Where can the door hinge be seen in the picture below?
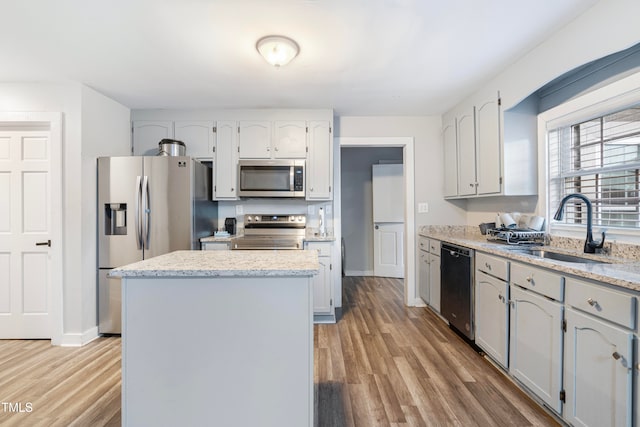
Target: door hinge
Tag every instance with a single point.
(564, 325)
(330, 266)
(238, 148)
(238, 129)
(215, 188)
(499, 101)
(330, 302)
(500, 180)
(329, 129)
(307, 149)
(306, 129)
(215, 129)
(329, 189)
(563, 396)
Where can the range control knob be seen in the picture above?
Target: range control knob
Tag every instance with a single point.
(292, 218)
(300, 219)
(257, 218)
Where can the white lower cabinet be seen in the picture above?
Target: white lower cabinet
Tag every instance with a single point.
(322, 283)
(434, 274)
(492, 314)
(598, 375)
(535, 351)
(423, 288)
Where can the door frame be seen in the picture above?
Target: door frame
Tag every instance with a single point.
(407, 145)
(53, 122)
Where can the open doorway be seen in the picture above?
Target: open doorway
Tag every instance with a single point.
(358, 231)
(406, 145)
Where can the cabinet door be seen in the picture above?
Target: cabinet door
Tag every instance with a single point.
(488, 142)
(535, 352)
(147, 134)
(254, 140)
(466, 154)
(423, 289)
(450, 159)
(492, 314)
(598, 375)
(322, 288)
(434, 282)
(320, 162)
(225, 169)
(290, 140)
(197, 136)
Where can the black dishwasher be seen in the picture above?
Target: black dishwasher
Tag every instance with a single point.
(456, 298)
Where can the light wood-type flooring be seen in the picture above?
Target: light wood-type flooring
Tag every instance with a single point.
(382, 364)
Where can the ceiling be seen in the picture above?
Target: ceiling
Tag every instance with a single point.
(359, 57)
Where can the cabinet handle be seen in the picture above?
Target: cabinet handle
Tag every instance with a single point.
(486, 264)
(616, 355)
(231, 188)
(592, 302)
(529, 279)
(276, 148)
(47, 243)
(471, 184)
(311, 189)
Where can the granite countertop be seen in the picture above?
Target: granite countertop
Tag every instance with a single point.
(620, 272)
(224, 264)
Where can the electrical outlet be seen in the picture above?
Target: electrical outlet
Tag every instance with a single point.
(239, 210)
(423, 207)
(328, 209)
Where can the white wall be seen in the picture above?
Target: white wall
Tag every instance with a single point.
(101, 120)
(608, 27)
(428, 159)
(106, 131)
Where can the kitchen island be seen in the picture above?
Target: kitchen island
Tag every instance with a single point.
(218, 338)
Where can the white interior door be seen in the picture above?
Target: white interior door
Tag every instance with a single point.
(25, 233)
(388, 220)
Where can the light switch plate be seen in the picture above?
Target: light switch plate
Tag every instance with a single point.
(239, 210)
(423, 207)
(311, 209)
(328, 209)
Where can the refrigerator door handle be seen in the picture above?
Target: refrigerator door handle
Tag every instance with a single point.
(138, 218)
(145, 210)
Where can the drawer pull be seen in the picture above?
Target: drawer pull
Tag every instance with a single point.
(486, 264)
(592, 302)
(529, 279)
(616, 355)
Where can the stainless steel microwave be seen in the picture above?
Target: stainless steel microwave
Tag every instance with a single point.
(271, 178)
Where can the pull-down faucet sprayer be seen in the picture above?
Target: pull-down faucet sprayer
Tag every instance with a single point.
(590, 245)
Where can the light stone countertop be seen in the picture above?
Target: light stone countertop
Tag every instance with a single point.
(619, 272)
(224, 264)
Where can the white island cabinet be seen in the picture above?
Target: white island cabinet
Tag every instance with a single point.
(218, 338)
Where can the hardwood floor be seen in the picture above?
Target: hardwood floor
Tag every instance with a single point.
(382, 364)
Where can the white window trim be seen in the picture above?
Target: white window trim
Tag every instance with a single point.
(618, 95)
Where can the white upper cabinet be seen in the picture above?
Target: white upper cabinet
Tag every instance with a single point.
(290, 139)
(488, 152)
(198, 137)
(147, 134)
(319, 170)
(466, 154)
(450, 159)
(254, 139)
(225, 171)
(496, 151)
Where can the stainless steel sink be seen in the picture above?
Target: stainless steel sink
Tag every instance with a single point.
(541, 253)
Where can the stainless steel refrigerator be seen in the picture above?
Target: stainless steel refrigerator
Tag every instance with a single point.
(147, 206)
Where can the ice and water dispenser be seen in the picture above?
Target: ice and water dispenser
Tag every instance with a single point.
(115, 219)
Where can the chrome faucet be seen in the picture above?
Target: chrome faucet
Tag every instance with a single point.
(590, 245)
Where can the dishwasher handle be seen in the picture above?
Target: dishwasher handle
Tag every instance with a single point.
(455, 251)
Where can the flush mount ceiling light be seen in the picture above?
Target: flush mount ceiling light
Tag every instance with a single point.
(277, 50)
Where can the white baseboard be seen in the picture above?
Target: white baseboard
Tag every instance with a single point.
(418, 302)
(358, 273)
(78, 340)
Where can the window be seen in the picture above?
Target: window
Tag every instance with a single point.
(600, 158)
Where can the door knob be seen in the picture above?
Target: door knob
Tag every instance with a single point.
(377, 227)
(47, 243)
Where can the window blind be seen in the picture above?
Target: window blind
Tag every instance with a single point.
(600, 158)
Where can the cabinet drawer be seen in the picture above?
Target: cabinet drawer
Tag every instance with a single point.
(434, 247)
(215, 246)
(324, 249)
(617, 307)
(423, 243)
(494, 266)
(538, 280)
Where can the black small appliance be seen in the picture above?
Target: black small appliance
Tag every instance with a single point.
(230, 225)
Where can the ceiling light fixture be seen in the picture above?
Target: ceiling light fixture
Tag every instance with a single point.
(277, 50)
